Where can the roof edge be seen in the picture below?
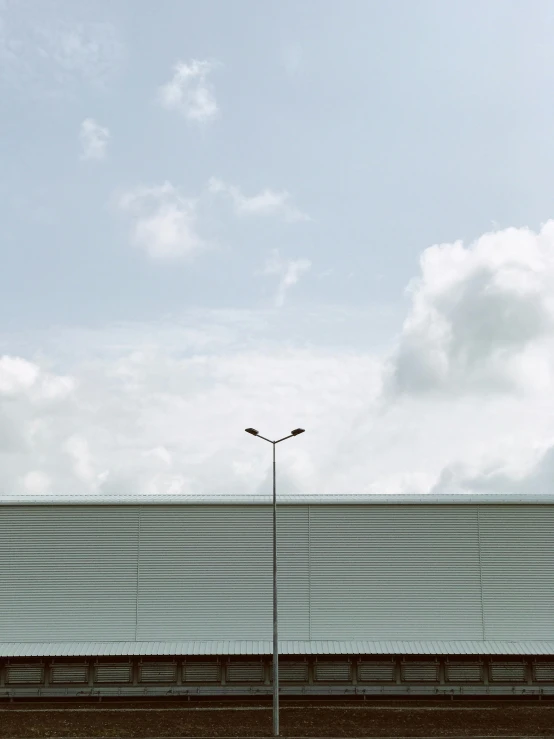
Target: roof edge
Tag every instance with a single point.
(265, 647)
(347, 499)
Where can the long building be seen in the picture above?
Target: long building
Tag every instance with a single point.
(378, 595)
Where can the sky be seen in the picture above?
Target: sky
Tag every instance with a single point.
(215, 215)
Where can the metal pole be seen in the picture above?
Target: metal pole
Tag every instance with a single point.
(275, 632)
(295, 432)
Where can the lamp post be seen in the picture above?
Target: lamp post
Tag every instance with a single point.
(275, 630)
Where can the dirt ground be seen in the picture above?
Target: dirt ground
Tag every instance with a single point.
(18, 720)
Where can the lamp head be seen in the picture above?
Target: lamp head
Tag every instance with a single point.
(297, 431)
(252, 431)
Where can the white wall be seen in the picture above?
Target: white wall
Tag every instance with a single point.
(346, 572)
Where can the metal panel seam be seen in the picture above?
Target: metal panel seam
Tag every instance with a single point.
(483, 624)
(11, 534)
(309, 573)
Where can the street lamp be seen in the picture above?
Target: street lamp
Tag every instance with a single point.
(275, 632)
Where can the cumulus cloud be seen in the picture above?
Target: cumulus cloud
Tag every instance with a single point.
(476, 355)
(265, 203)
(478, 314)
(162, 408)
(33, 402)
(163, 221)
(289, 272)
(190, 92)
(161, 418)
(94, 139)
(531, 475)
(16, 375)
(19, 376)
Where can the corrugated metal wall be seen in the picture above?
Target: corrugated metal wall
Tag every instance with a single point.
(205, 572)
(395, 572)
(346, 572)
(517, 559)
(69, 573)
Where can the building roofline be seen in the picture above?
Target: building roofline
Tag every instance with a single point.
(265, 647)
(347, 499)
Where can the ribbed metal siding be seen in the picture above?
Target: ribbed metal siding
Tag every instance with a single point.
(389, 572)
(543, 672)
(291, 672)
(158, 672)
(69, 674)
(245, 672)
(508, 672)
(419, 672)
(69, 574)
(517, 557)
(376, 672)
(24, 674)
(201, 672)
(205, 573)
(116, 672)
(298, 648)
(333, 671)
(293, 572)
(395, 572)
(463, 672)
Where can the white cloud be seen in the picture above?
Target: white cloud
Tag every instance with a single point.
(16, 375)
(162, 408)
(189, 91)
(478, 314)
(88, 50)
(44, 50)
(529, 473)
(289, 272)
(19, 377)
(265, 203)
(94, 139)
(78, 450)
(36, 483)
(55, 388)
(161, 453)
(163, 222)
(168, 417)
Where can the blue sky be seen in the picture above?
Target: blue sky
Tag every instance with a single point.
(210, 213)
